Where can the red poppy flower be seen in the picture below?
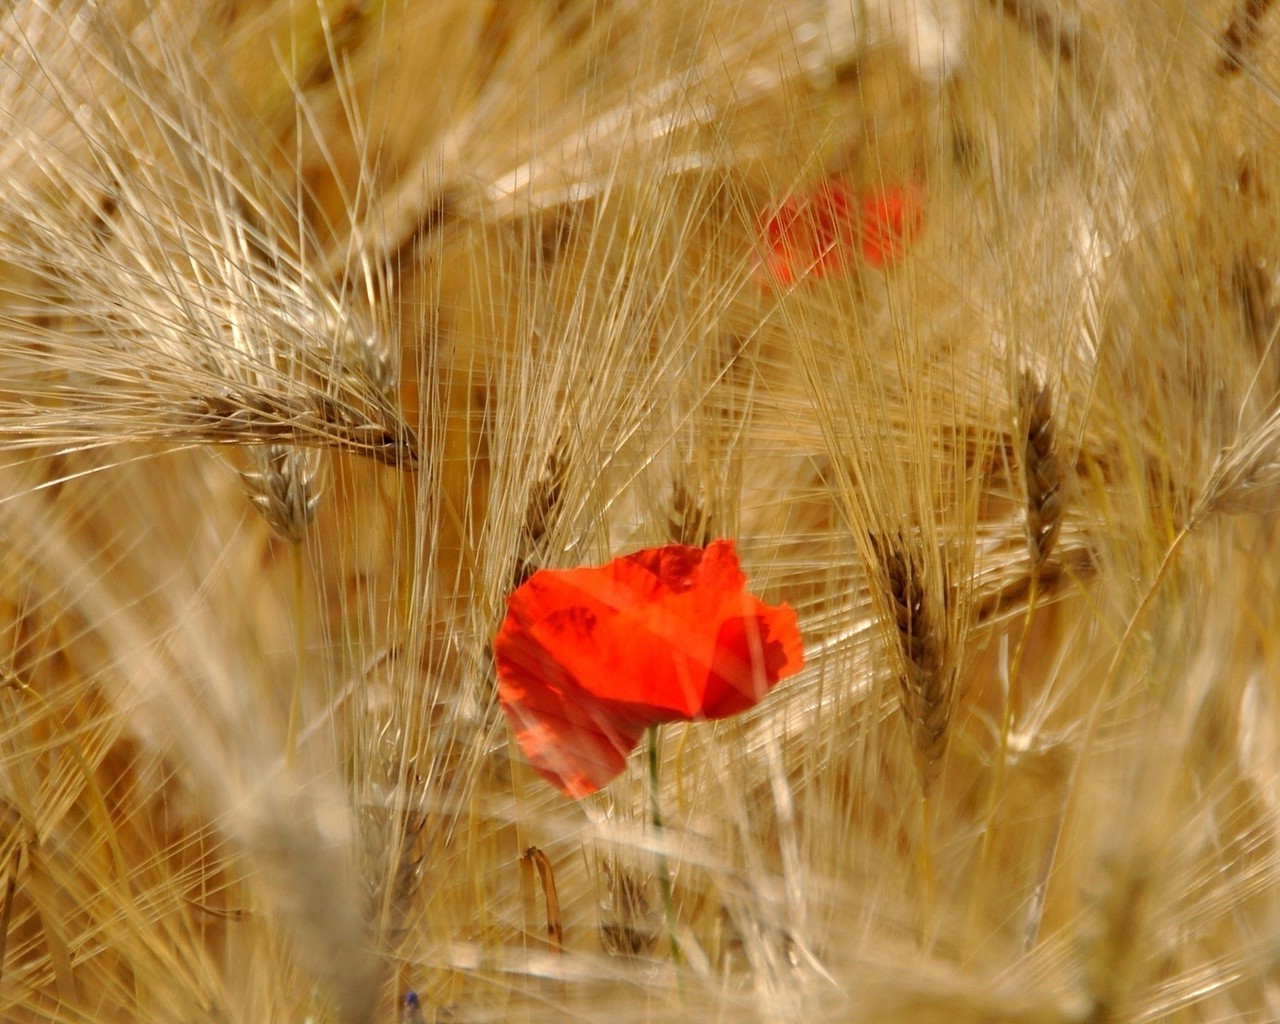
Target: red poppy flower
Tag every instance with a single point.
(890, 219)
(819, 232)
(811, 233)
(589, 658)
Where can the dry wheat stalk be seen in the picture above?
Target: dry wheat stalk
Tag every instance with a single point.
(1041, 468)
(284, 486)
(546, 874)
(638, 144)
(1240, 37)
(689, 522)
(925, 680)
(540, 513)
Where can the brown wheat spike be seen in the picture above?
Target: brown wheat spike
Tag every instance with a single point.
(689, 522)
(539, 513)
(1052, 32)
(546, 874)
(1041, 468)
(628, 920)
(1240, 37)
(284, 486)
(925, 688)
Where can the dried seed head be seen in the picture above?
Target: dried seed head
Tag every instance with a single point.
(1055, 33)
(546, 874)
(285, 487)
(251, 416)
(925, 684)
(689, 522)
(629, 920)
(1245, 477)
(1041, 468)
(1240, 37)
(539, 513)
(181, 264)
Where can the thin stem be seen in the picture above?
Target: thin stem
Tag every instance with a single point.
(299, 638)
(996, 790)
(928, 876)
(1091, 724)
(664, 876)
(6, 908)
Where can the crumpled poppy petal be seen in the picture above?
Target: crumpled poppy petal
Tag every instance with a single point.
(824, 230)
(575, 741)
(751, 655)
(718, 570)
(890, 219)
(812, 233)
(665, 650)
(676, 567)
(588, 619)
(589, 658)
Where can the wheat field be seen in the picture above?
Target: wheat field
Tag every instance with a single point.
(324, 323)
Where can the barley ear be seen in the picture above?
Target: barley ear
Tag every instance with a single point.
(1041, 467)
(1054, 34)
(629, 923)
(925, 689)
(689, 522)
(285, 487)
(540, 513)
(1240, 37)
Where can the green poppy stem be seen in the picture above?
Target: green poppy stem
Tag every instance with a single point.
(664, 876)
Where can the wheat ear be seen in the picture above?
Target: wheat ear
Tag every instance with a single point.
(1052, 33)
(1240, 37)
(689, 522)
(925, 682)
(540, 513)
(1042, 483)
(924, 689)
(1041, 467)
(285, 487)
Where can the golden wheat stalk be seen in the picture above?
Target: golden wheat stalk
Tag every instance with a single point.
(514, 253)
(925, 684)
(150, 273)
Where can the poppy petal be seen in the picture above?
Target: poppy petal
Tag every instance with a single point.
(822, 231)
(589, 658)
(675, 566)
(752, 653)
(811, 233)
(573, 741)
(572, 738)
(890, 219)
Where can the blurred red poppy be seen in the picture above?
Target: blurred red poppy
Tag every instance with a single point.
(811, 233)
(589, 658)
(890, 219)
(818, 233)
